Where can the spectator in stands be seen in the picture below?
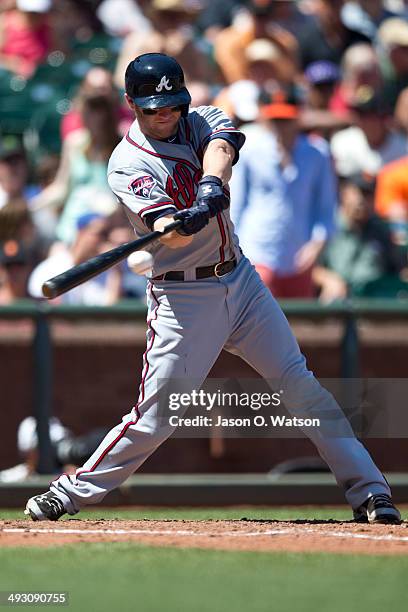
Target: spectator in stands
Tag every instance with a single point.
(284, 14)
(283, 199)
(75, 22)
(16, 220)
(200, 92)
(321, 78)
(268, 66)
(366, 16)
(69, 451)
(13, 170)
(97, 82)
(401, 112)
(15, 267)
(360, 67)
(91, 239)
(327, 38)
(216, 16)
(372, 142)
(240, 101)
(393, 38)
(321, 81)
(267, 69)
(256, 22)
(81, 185)
(360, 258)
(391, 198)
(121, 17)
(172, 34)
(25, 36)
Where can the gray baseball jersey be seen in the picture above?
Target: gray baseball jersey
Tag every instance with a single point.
(151, 176)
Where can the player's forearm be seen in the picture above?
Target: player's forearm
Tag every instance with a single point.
(218, 158)
(173, 240)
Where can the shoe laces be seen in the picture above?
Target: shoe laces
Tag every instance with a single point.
(55, 505)
(381, 500)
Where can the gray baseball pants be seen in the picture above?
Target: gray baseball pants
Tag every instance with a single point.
(188, 325)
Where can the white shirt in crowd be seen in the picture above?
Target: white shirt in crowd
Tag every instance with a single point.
(352, 153)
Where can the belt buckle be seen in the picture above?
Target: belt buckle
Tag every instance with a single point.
(219, 266)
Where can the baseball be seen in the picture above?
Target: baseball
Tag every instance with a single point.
(140, 262)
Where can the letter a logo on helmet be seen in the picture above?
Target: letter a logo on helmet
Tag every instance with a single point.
(164, 83)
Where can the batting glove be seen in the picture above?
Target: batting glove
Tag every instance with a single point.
(210, 192)
(194, 219)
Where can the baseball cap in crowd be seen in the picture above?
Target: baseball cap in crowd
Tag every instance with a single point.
(322, 72)
(34, 6)
(244, 96)
(282, 105)
(393, 33)
(12, 252)
(84, 220)
(262, 50)
(369, 101)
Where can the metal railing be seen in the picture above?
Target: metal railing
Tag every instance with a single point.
(43, 313)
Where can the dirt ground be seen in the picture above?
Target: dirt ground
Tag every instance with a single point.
(251, 535)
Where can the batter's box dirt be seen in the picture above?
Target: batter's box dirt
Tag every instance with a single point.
(254, 535)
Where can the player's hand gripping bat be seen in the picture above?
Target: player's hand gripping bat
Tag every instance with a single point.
(92, 267)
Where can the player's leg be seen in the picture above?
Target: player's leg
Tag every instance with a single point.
(264, 339)
(187, 329)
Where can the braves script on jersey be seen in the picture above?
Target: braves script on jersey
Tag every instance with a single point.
(150, 175)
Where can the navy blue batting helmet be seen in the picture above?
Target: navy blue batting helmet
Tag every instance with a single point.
(156, 80)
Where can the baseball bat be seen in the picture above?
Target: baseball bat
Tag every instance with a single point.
(92, 267)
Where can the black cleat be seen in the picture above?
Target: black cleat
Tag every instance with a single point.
(45, 507)
(378, 509)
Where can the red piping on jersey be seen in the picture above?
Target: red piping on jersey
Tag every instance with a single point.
(177, 159)
(223, 237)
(188, 163)
(141, 394)
(155, 206)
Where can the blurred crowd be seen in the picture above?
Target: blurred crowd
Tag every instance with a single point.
(320, 88)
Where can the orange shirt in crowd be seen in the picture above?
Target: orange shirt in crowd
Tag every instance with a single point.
(391, 194)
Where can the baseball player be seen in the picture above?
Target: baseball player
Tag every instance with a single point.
(203, 295)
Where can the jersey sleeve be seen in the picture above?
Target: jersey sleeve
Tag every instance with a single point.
(214, 123)
(142, 194)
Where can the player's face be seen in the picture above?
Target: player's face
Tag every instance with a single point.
(162, 124)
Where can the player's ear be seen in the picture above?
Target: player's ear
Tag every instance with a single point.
(130, 102)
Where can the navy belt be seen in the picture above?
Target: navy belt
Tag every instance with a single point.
(218, 270)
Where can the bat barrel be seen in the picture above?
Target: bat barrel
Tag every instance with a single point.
(83, 272)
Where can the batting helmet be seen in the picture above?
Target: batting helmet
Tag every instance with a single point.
(156, 80)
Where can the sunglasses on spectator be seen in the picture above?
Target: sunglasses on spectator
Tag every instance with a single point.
(154, 111)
